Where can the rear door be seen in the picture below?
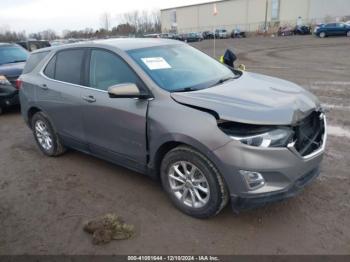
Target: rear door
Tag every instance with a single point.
(115, 128)
(59, 92)
(341, 29)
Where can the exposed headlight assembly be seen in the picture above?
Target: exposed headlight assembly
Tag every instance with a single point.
(273, 138)
(259, 136)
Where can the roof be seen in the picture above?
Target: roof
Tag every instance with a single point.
(124, 44)
(136, 43)
(184, 6)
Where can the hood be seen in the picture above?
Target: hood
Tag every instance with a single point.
(254, 99)
(12, 70)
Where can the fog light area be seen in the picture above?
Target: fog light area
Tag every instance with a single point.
(254, 180)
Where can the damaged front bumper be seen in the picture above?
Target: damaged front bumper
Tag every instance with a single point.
(250, 202)
(285, 171)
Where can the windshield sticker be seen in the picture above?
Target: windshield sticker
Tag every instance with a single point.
(155, 63)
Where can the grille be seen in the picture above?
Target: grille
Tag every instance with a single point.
(309, 134)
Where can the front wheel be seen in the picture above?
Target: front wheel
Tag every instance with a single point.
(348, 34)
(193, 183)
(323, 35)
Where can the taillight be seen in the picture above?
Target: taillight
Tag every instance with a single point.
(18, 84)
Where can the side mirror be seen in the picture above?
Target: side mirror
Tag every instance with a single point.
(242, 67)
(127, 90)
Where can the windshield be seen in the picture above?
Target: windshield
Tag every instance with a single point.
(12, 54)
(181, 67)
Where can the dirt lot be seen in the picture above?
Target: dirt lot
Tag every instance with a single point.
(44, 201)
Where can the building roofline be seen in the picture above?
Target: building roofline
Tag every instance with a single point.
(184, 6)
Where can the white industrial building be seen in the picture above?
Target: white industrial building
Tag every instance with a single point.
(250, 15)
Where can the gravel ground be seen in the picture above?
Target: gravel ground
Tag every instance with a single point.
(45, 201)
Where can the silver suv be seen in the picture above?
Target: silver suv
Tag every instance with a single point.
(162, 108)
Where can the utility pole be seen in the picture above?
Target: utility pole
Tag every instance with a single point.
(266, 10)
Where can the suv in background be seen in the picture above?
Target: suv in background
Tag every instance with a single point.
(32, 45)
(12, 60)
(221, 33)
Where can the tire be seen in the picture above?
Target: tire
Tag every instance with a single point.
(323, 34)
(1, 110)
(348, 34)
(212, 202)
(43, 132)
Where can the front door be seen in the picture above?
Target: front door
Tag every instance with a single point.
(115, 128)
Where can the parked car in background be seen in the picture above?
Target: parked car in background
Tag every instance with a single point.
(332, 29)
(200, 35)
(169, 36)
(12, 60)
(32, 45)
(285, 31)
(163, 108)
(237, 33)
(208, 35)
(191, 37)
(152, 36)
(302, 30)
(221, 33)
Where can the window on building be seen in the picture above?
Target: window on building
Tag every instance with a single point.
(173, 17)
(275, 9)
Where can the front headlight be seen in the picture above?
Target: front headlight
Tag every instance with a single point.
(280, 137)
(4, 81)
(257, 135)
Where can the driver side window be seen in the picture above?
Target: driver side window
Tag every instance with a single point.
(107, 69)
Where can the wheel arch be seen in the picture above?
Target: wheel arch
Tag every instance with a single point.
(31, 112)
(158, 152)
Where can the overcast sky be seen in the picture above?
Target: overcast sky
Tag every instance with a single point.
(37, 15)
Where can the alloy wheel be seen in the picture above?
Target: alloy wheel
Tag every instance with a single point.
(43, 135)
(188, 184)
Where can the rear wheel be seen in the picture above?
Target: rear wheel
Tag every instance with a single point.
(193, 183)
(323, 35)
(348, 34)
(45, 136)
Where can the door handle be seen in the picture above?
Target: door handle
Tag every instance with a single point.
(44, 87)
(90, 99)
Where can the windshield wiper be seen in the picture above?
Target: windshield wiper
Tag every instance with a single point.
(186, 89)
(223, 80)
(16, 61)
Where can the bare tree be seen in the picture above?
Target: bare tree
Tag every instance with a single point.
(143, 22)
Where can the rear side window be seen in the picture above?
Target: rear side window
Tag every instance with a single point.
(33, 61)
(66, 66)
(69, 66)
(50, 68)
